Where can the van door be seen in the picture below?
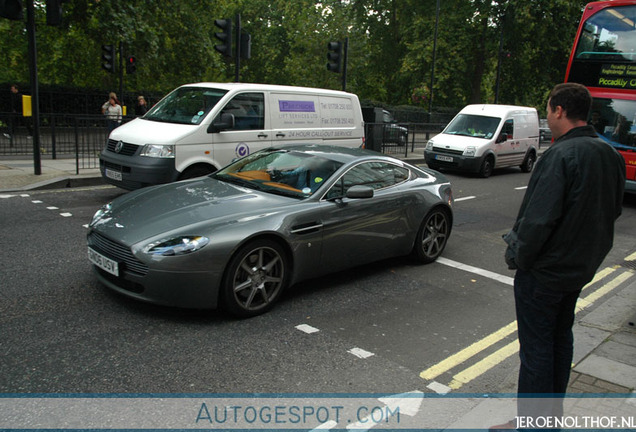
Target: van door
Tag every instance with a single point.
(251, 130)
(506, 149)
(295, 117)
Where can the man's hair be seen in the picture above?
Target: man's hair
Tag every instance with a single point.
(574, 98)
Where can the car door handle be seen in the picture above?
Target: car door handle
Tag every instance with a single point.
(280, 135)
(262, 135)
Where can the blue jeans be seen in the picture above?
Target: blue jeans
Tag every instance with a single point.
(544, 318)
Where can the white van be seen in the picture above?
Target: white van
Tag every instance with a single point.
(484, 137)
(199, 128)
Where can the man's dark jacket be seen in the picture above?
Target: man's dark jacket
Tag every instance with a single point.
(565, 226)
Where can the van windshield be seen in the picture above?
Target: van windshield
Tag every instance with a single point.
(473, 126)
(185, 105)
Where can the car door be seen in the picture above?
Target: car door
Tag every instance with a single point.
(251, 127)
(362, 230)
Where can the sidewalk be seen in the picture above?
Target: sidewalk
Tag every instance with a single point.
(605, 339)
(18, 175)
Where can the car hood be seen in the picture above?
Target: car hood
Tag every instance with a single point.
(178, 207)
(457, 142)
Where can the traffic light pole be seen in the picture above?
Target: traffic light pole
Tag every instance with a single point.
(121, 73)
(35, 95)
(344, 64)
(237, 63)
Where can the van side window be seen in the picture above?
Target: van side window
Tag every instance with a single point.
(508, 128)
(248, 110)
(377, 175)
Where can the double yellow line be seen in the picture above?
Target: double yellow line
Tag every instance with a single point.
(492, 360)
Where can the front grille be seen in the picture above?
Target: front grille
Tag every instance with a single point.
(448, 151)
(116, 167)
(126, 150)
(118, 253)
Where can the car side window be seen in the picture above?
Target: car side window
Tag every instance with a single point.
(508, 128)
(248, 110)
(377, 175)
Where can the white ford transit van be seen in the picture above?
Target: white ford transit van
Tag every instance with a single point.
(199, 128)
(484, 137)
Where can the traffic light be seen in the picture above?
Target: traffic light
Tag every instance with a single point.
(131, 65)
(334, 56)
(246, 45)
(54, 12)
(225, 36)
(11, 9)
(108, 58)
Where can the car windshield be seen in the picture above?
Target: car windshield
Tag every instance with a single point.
(185, 105)
(290, 173)
(473, 126)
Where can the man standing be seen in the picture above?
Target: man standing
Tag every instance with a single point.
(564, 230)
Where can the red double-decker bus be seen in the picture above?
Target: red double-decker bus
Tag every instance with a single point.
(603, 59)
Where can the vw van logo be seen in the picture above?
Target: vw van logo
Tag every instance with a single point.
(119, 146)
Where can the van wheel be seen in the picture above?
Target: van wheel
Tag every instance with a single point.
(196, 171)
(528, 163)
(487, 167)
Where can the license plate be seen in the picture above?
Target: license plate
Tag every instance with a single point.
(104, 263)
(443, 158)
(115, 175)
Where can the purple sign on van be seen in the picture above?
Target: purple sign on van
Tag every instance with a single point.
(296, 106)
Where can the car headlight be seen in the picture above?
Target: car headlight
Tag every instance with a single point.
(176, 246)
(158, 150)
(429, 145)
(470, 151)
(101, 213)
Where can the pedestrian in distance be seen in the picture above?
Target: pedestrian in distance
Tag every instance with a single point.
(563, 232)
(16, 117)
(113, 112)
(142, 107)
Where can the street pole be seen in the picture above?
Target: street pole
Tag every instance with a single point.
(430, 98)
(35, 96)
(344, 64)
(237, 63)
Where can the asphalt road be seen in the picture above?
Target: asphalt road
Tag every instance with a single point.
(391, 327)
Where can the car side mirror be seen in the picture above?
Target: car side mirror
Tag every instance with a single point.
(503, 137)
(225, 122)
(358, 191)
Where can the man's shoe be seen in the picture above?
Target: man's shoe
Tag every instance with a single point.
(510, 425)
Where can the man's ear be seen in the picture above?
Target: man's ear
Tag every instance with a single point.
(560, 112)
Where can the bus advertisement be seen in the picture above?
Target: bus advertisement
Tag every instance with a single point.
(603, 58)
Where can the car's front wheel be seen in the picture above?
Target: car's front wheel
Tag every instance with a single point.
(255, 277)
(433, 235)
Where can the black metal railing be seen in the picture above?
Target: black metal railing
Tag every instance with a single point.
(84, 136)
(61, 136)
(400, 139)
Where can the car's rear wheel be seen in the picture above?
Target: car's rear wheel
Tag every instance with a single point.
(528, 162)
(255, 277)
(433, 235)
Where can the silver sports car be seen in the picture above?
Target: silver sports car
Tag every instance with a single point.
(238, 237)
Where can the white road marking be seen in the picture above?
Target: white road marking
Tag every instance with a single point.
(360, 353)
(465, 198)
(486, 273)
(439, 388)
(307, 328)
